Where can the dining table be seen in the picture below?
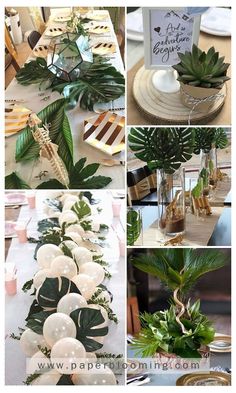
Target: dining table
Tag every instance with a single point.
(218, 362)
(36, 100)
(22, 256)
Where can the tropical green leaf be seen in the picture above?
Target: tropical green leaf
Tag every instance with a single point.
(34, 309)
(47, 223)
(36, 321)
(34, 72)
(101, 82)
(87, 321)
(220, 138)
(52, 184)
(65, 380)
(14, 182)
(162, 148)
(81, 176)
(59, 131)
(54, 204)
(53, 289)
(82, 209)
(134, 226)
(204, 138)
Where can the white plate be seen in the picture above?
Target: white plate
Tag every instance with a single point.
(216, 21)
(134, 35)
(51, 34)
(8, 233)
(15, 198)
(215, 32)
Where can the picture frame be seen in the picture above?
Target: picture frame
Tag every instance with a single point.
(183, 29)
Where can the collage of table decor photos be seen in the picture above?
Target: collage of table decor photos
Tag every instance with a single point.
(117, 194)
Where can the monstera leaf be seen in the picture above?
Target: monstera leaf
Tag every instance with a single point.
(101, 82)
(52, 290)
(134, 226)
(36, 321)
(162, 148)
(220, 138)
(59, 131)
(204, 138)
(48, 223)
(82, 209)
(87, 321)
(34, 72)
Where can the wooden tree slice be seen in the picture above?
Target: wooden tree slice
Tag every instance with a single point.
(167, 108)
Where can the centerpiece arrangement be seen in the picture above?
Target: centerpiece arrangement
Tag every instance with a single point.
(164, 150)
(181, 330)
(71, 311)
(84, 79)
(202, 76)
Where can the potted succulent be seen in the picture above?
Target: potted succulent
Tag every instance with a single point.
(164, 150)
(207, 142)
(181, 330)
(202, 76)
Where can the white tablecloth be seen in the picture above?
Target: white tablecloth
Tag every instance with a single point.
(17, 306)
(30, 94)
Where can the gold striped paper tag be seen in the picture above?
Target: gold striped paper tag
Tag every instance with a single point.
(106, 132)
(16, 118)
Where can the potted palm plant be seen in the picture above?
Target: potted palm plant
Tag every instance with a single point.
(164, 150)
(182, 330)
(202, 76)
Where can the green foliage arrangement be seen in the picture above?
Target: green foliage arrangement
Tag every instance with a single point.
(182, 329)
(162, 148)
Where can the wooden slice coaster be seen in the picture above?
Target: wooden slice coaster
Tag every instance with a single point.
(167, 108)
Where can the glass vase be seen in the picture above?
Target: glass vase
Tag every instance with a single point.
(208, 170)
(134, 227)
(171, 202)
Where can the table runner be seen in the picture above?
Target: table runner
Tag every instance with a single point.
(17, 307)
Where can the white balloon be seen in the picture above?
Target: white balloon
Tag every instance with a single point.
(97, 250)
(90, 235)
(41, 276)
(71, 302)
(82, 255)
(69, 203)
(93, 270)
(50, 378)
(96, 376)
(75, 228)
(68, 216)
(69, 244)
(75, 237)
(85, 284)
(32, 366)
(70, 350)
(90, 356)
(69, 197)
(30, 341)
(58, 326)
(64, 266)
(46, 254)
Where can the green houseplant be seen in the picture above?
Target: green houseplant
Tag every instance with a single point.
(201, 74)
(164, 150)
(181, 330)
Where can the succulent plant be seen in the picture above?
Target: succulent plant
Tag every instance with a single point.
(202, 69)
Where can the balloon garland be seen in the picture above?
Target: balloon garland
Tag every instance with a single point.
(70, 315)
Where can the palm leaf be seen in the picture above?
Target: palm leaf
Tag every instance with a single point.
(134, 227)
(197, 264)
(14, 182)
(162, 148)
(60, 133)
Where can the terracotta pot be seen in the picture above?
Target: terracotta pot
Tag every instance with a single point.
(189, 93)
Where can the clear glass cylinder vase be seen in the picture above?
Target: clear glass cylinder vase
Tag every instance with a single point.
(134, 227)
(171, 201)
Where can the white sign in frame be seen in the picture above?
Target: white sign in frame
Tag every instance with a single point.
(166, 32)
